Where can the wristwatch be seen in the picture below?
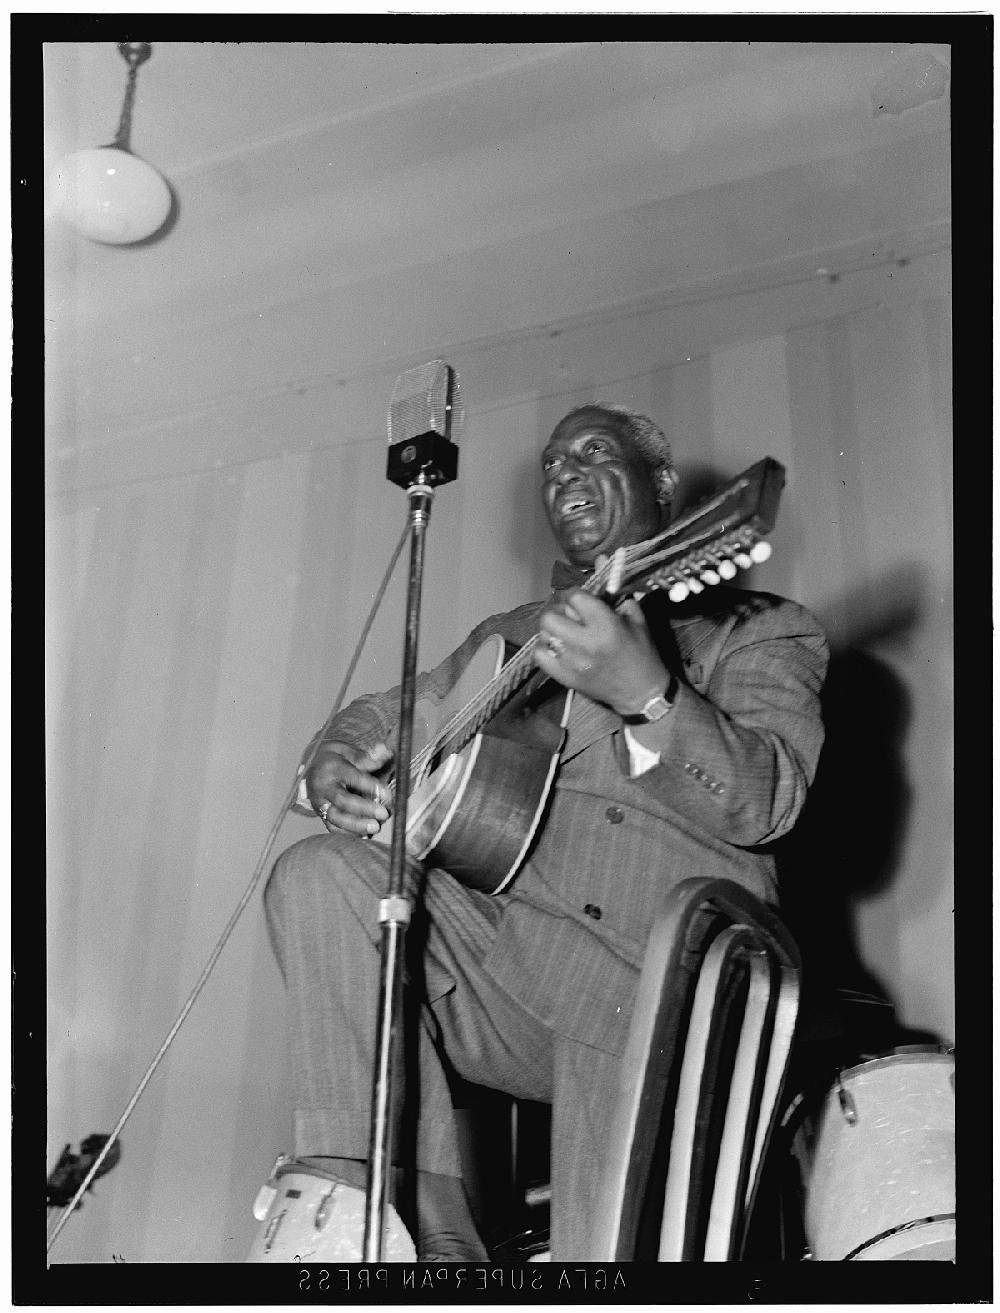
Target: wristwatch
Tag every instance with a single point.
(657, 707)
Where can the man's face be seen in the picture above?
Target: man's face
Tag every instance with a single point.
(597, 489)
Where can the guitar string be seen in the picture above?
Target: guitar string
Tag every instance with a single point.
(498, 686)
(685, 524)
(241, 906)
(500, 682)
(480, 700)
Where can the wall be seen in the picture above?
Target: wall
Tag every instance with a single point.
(201, 620)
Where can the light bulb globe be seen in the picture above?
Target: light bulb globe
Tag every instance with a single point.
(110, 195)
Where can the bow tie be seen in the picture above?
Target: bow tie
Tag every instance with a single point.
(565, 575)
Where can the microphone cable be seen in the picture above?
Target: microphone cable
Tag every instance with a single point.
(259, 869)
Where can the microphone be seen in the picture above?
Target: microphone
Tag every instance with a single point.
(426, 417)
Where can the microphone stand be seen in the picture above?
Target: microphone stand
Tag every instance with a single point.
(418, 464)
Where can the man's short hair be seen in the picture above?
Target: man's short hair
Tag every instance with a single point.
(640, 430)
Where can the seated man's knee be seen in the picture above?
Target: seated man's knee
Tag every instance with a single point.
(316, 862)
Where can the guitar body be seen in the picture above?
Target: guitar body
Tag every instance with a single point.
(476, 812)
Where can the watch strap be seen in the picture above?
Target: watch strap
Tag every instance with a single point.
(657, 707)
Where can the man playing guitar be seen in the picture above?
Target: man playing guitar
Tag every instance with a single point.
(687, 744)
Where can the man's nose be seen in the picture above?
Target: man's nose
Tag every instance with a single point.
(569, 471)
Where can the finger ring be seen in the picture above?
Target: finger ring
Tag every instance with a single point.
(324, 810)
(555, 646)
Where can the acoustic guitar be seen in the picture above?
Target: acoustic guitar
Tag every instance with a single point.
(488, 753)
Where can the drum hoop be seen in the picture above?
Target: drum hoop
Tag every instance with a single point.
(903, 1226)
(929, 1054)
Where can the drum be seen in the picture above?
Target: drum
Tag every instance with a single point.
(882, 1181)
(309, 1217)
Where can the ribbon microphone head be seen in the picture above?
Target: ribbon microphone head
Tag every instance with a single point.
(426, 417)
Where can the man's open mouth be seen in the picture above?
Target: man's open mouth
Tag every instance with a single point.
(572, 507)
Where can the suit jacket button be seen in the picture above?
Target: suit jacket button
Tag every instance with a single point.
(615, 815)
(593, 910)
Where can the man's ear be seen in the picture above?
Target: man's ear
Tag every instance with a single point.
(666, 484)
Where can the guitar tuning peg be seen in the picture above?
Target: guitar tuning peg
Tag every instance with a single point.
(759, 552)
(710, 576)
(678, 591)
(726, 568)
(742, 560)
(695, 585)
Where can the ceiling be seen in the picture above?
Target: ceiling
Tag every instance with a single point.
(347, 206)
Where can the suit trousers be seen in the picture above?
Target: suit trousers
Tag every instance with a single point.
(321, 902)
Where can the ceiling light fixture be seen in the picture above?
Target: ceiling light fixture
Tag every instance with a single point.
(109, 194)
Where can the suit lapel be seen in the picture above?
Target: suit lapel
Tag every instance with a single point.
(588, 722)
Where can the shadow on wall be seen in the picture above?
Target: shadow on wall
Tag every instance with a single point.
(847, 842)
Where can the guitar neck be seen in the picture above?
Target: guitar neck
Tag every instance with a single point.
(704, 546)
(466, 723)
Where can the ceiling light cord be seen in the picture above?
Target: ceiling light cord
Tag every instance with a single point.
(134, 53)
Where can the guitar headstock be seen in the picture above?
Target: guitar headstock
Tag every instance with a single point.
(707, 545)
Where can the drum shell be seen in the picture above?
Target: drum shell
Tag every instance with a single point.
(293, 1229)
(882, 1182)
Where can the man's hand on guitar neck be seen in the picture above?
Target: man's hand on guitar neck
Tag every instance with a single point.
(343, 788)
(607, 655)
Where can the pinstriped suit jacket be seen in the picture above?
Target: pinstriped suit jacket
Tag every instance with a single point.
(740, 748)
